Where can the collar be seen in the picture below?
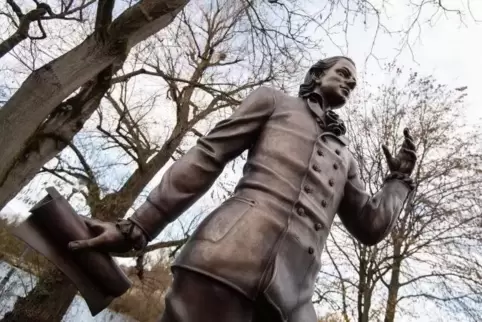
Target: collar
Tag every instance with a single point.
(316, 97)
(315, 103)
(342, 138)
(315, 109)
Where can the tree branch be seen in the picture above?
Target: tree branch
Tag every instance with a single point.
(15, 8)
(152, 247)
(103, 18)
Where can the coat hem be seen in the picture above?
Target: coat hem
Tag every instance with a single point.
(215, 277)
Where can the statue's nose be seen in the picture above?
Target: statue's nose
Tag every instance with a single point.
(351, 83)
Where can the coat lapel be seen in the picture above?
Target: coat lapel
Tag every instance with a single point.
(315, 108)
(317, 111)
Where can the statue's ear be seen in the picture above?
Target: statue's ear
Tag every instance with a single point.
(317, 74)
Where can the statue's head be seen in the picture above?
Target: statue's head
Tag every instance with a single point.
(334, 78)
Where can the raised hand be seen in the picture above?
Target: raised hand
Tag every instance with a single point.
(404, 161)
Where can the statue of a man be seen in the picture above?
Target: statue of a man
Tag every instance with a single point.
(256, 256)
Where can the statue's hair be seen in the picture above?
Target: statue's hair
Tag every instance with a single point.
(315, 71)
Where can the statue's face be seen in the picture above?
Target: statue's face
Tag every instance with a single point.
(337, 83)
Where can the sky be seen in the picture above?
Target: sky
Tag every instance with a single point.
(449, 50)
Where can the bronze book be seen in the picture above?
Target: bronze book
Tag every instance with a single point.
(53, 223)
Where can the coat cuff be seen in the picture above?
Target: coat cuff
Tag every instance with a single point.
(150, 220)
(403, 177)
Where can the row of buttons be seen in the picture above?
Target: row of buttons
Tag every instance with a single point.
(320, 153)
(301, 212)
(323, 138)
(316, 168)
(307, 188)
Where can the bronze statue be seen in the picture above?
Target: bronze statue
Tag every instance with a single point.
(256, 257)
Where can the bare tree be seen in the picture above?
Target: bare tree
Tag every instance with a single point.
(203, 68)
(66, 94)
(433, 254)
(206, 68)
(67, 89)
(88, 66)
(335, 20)
(22, 21)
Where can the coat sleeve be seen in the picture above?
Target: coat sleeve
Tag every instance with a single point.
(193, 174)
(371, 218)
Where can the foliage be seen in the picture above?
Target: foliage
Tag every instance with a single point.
(145, 300)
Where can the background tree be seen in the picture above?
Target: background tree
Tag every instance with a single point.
(76, 69)
(86, 68)
(66, 93)
(198, 71)
(144, 301)
(21, 21)
(433, 254)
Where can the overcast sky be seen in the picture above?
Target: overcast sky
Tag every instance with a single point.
(451, 50)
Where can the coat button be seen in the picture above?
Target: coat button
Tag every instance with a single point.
(301, 211)
(316, 168)
(311, 250)
(307, 189)
(319, 152)
(331, 182)
(323, 203)
(335, 166)
(318, 120)
(337, 151)
(318, 226)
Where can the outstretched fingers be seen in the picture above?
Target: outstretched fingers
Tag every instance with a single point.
(87, 243)
(408, 142)
(408, 147)
(410, 153)
(97, 228)
(387, 154)
(92, 222)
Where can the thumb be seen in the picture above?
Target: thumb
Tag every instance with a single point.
(94, 225)
(87, 243)
(92, 222)
(387, 153)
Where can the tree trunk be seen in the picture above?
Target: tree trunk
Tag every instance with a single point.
(367, 304)
(6, 278)
(55, 134)
(362, 283)
(46, 88)
(47, 302)
(394, 285)
(116, 204)
(365, 284)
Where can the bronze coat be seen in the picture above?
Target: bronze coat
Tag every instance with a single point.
(267, 239)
